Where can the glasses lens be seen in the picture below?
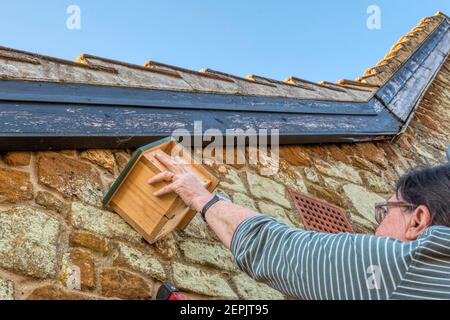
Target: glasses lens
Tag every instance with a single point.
(380, 214)
(377, 214)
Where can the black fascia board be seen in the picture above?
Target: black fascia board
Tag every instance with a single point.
(64, 93)
(55, 116)
(62, 126)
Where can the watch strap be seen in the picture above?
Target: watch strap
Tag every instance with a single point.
(208, 205)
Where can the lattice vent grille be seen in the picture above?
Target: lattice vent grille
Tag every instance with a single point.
(320, 216)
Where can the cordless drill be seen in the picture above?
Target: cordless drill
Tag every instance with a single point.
(168, 292)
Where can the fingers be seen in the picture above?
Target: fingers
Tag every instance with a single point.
(167, 161)
(180, 160)
(163, 176)
(167, 189)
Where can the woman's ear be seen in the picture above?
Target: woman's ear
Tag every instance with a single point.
(420, 221)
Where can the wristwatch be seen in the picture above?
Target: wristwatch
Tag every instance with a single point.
(213, 201)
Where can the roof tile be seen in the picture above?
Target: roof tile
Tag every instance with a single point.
(353, 83)
(249, 86)
(328, 91)
(17, 64)
(401, 51)
(357, 94)
(132, 75)
(200, 81)
(291, 89)
(13, 56)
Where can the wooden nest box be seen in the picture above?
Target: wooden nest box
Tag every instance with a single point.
(132, 197)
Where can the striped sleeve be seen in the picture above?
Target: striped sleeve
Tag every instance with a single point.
(313, 265)
(429, 275)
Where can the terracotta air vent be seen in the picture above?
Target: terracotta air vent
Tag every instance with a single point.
(320, 216)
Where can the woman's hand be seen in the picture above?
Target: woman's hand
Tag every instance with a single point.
(184, 182)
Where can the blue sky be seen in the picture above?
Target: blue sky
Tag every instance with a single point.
(315, 40)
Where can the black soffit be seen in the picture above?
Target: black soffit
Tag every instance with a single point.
(44, 115)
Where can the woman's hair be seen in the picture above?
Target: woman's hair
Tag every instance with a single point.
(428, 186)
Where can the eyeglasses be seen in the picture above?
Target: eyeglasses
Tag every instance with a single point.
(382, 209)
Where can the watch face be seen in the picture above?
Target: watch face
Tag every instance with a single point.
(222, 196)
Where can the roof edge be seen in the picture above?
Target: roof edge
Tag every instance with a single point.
(300, 120)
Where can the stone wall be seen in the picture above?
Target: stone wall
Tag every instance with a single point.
(52, 223)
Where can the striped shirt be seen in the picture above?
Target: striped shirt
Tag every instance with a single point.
(314, 265)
